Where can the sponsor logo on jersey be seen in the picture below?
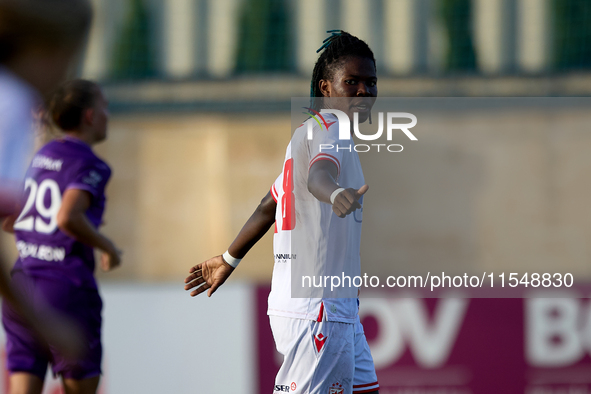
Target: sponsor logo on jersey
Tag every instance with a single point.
(293, 386)
(281, 388)
(92, 179)
(47, 163)
(336, 388)
(283, 257)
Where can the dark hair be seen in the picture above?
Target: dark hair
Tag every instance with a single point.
(337, 48)
(68, 103)
(51, 23)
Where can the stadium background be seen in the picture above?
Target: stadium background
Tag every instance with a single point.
(200, 95)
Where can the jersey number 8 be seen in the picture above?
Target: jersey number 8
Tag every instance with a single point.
(37, 197)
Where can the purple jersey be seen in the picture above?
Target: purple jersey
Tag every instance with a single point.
(44, 250)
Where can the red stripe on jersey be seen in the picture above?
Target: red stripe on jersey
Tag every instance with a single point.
(321, 313)
(356, 386)
(325, 156)
(274, 193)
(288, 216)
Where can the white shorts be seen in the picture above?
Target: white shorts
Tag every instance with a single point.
(322, 357)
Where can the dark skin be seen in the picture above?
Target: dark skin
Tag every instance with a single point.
(355, 77)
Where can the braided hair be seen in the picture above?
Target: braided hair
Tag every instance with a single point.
(337, 48)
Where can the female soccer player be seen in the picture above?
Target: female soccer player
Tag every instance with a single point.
(306, 196)
(38, 41)
(56, 232)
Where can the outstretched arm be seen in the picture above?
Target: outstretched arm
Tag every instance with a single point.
(215, 271)
(322, 184)
(72, 220)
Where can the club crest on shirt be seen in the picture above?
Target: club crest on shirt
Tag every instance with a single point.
(319, 341)
(336, 388)
(92, 179)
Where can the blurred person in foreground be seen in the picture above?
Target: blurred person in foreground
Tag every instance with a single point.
(319, 194)
(39, 39)
(56, 232)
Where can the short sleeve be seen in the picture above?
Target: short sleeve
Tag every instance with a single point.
(92, 177)
(326, 145)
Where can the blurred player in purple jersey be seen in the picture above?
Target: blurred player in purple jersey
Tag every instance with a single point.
(56, 231)
(39, 39)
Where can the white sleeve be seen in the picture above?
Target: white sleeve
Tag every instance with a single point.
(276, 187)
(325, 145)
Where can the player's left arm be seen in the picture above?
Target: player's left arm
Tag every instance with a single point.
(322, 184)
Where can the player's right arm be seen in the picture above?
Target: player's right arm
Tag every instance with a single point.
(324, 170)
(322, 184)
(212, 273)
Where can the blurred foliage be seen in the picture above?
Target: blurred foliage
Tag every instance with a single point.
(264, 38)
(572, 34)
(134, 56)
(457, 20)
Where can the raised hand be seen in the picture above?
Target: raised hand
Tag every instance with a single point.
(210, 274)
(347, 201)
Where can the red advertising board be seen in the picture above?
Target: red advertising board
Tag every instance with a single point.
(463, 345)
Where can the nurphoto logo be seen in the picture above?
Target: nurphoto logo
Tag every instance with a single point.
(345, 129)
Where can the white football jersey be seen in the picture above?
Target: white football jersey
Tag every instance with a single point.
(17, 101)
(309, 238)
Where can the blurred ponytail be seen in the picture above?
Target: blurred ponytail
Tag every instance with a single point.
(67, 105)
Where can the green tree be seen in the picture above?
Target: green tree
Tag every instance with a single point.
(456, 15)
(133, 56)
(572, 34)
(264, 40)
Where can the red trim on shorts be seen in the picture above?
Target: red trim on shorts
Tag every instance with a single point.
(367, 391)
(321, 313)
(356, 388)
